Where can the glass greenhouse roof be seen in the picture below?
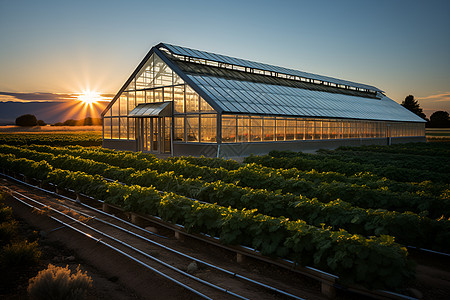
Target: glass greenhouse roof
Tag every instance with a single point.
(243, 97)
(183, 51)
(236, 86)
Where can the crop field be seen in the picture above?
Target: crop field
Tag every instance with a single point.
(351, 211)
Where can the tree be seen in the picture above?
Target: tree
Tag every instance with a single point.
(440, 119)
(26, 120)
(413, 106)
(41, 123)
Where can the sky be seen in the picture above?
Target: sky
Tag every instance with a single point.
(54, 50)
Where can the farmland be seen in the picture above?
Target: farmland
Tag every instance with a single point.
(351, 212)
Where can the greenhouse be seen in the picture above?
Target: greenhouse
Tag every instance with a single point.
(181, 101)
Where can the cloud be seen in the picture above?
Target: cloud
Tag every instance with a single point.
(442, 97)
(432, 103)
(37, 96)
(44, 97)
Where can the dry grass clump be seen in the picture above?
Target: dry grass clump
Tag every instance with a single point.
(20, 255)
(58, 283)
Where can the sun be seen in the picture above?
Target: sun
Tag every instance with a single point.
(89, 97)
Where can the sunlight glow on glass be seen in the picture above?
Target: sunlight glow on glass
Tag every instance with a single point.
(89, 97)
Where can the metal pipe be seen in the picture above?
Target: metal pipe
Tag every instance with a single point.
(123, 253)
(135, 249)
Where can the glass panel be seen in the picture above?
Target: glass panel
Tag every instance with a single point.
(115, 128)
(158, 95)
(256, 129)
(167, 125)
(317, 130)
(115, 108)
(290, 129)
(300, 130)
(228, 129)
(325, 128)
(345, 129)
(192, 128)
(162, 73)
(131, 86)
(154, 129)
(179, 129)
(149, 96)
(140, 97)
(123, 128)
(208, 128)
(107, 128)
(132, 100)
(309, 129)
(178, 99)
(177, 79)
(108, 113)
(269, 129)
(145, 75)
(131, 126)
(123, 105)
(243, 128)
(281, 124)
(168, 94)
(204, 106)
(192, 100)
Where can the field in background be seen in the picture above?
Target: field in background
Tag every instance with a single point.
(52, 129)
(51, 135)
(437, 134)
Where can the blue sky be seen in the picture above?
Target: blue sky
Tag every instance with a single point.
(401, 47)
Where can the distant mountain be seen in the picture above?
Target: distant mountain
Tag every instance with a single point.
(49, 112)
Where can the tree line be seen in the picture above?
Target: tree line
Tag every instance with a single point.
(29, 120)
(438, 119)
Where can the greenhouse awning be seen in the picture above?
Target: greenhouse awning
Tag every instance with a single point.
(147, 110)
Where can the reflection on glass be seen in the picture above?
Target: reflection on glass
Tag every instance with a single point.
(255, 129)
(228, 129)
(115, 108)
(192, 100)
(281, 123)
(268, 129)
(178, 98)
(123, 128)
(204, 106)
(243, 128)
(115, 128)
(107, 128)
(208, 128)
(192, 128)
(140, 97)
(149, 96)
(178, 129)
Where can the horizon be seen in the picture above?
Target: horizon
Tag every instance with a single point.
(47, 55)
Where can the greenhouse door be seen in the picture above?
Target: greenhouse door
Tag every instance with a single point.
(154, 135)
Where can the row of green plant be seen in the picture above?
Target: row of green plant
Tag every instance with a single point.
(47, 138)
(408, 228)
(376, 262)
(360, 190)
(441, 149)
(437, 164)
(323, 163)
